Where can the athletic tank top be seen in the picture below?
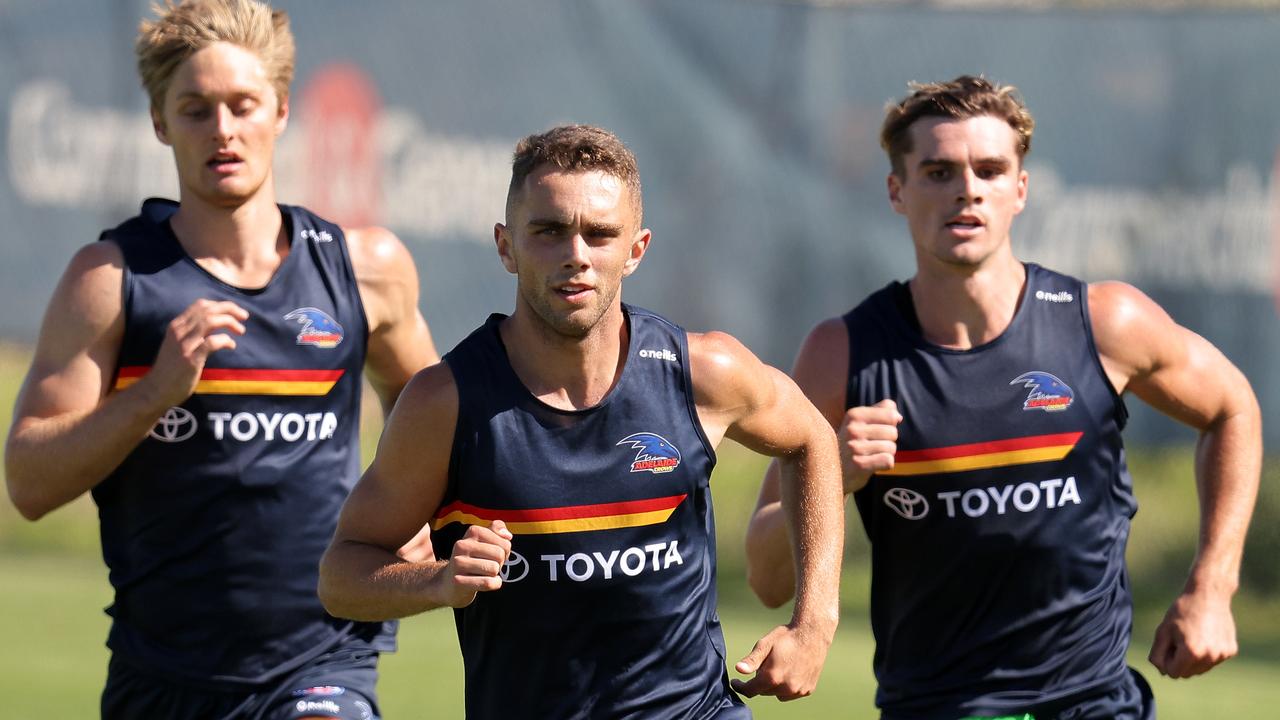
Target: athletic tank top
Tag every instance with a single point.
(608, 606)
(213, 527)
(998, 538)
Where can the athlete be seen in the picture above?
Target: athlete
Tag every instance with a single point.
(979, 409)
(198, 371)
(563, 455)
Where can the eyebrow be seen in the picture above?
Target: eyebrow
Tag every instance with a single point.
(995, 160)
(594, 228)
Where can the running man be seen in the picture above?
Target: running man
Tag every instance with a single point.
(198, 372)
(563, 455)
(979, 409)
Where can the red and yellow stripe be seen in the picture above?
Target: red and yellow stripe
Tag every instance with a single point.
(230, 381)
(575, 518)
(980, 456)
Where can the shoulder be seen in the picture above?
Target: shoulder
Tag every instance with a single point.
(822, 366)
(1132, 333)
(376, 251)
(430, 399)
(92, 284)
(725, 374)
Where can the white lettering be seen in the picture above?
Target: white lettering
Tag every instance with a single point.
(1050, 487)
(584, 574)
(269, 425)
(328, 426)
(606, 564)
(627, 567)
(1069, 492)
(673, 556)
(950, 496)
(654, 550)
(1026, 505)
(1001, 497)
(969, 508)
(312, 419)
(219, 420)
(244, 426)
(291, 427)
(552, 561)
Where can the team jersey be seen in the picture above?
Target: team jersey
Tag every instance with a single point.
(998, 538)
(213, 526)
(608, 605)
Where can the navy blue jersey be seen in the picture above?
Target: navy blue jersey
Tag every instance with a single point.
(608, 606)
(213, 527)
(998, 539)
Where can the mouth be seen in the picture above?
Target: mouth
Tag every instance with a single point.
(224, 162)
(965, 223)
(573, 292)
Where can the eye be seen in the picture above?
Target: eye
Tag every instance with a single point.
(938, 174)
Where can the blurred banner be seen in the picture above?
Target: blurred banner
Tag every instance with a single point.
(755, 123)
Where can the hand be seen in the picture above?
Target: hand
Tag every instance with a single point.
(868, 440)
(1196, 634)
(419, 548)
(786, 663)
(476, 563)
(192, 336)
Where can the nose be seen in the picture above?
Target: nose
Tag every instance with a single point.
(970, 190)
(224, 119)
(578, 257)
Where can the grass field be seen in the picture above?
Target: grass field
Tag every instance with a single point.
(53, 588)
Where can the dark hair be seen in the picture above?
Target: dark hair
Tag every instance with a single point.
(575, 148)
(962, 98)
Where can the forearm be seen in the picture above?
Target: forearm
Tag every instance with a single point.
(52, 461)
(771, 569)
(812, 502)
(1228, 466)
(366, 582)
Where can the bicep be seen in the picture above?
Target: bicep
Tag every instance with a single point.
(403, 487)
(80, 336)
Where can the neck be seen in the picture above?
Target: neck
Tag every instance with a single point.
(569, 373)
(963, 307)
(242, 245)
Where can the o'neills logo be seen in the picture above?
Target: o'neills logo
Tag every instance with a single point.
(654, 454)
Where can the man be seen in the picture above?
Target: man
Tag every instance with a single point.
(979, 411)
(198, 371)
(563, 455)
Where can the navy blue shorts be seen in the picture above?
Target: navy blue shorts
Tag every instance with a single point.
(337, 685)
(1130, 700)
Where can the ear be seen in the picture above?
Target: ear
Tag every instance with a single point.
(502, 237)
(282, 115)
(157, 124)
(1022, 192)
(639, 245)
(894, 184)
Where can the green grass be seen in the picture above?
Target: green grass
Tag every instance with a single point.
(53, 588)
(53, 662)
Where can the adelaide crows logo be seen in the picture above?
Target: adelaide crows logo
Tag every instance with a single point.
(318, 329)
(1048, 393)
(654, 454)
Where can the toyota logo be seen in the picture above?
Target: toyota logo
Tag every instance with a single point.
(515, 568)
(175, 425)
(907, 503)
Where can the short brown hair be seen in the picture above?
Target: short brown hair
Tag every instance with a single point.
(962, 98)
(183, 29)
(575, 148)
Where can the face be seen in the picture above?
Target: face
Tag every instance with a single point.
(221, 116)
(963, 184)
(572, 237)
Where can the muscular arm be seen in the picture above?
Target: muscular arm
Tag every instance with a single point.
(740, 398)
(1181, 374)
(867, 439)
(68, 433)
(399, 341)
(361, 575)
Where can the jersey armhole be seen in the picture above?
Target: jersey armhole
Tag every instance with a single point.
(126, 305)
(690, 402)
(1122, 411)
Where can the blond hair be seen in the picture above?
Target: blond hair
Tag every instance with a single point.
(183, 29)
(959, 99)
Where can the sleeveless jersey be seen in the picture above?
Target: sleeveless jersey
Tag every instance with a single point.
(998, 538)
(213, 527)
(608, 606)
